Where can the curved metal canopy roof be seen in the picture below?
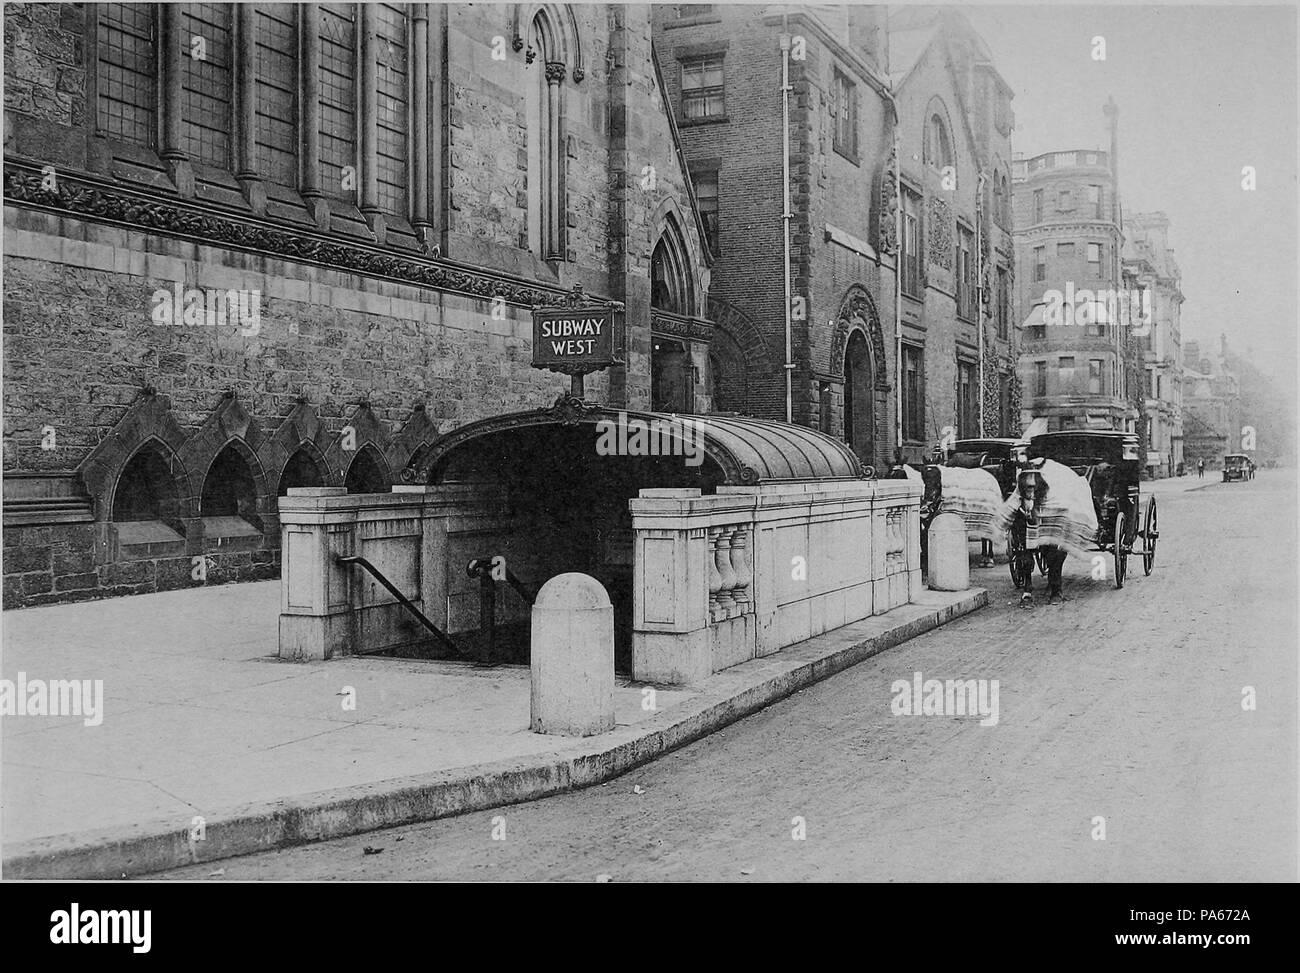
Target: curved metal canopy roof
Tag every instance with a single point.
(748, 451)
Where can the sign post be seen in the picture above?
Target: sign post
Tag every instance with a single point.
(578, 337)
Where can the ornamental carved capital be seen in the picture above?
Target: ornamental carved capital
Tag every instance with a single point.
(555, 71)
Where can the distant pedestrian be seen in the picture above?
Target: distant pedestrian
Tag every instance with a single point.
(1200, 468)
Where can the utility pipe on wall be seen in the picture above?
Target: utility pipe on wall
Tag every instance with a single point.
(786, 215)
(899, 256)
(979, 286)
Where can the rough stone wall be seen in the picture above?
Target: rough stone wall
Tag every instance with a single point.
(400, 362)
(44, 71)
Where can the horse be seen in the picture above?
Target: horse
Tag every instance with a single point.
(972, 494)
(1057, 503)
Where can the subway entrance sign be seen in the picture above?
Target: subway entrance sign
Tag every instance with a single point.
(578, 337)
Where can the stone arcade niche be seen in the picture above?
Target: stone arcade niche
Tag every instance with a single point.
(366, 473)
(299, 471)
(228, 504)
(146, 505)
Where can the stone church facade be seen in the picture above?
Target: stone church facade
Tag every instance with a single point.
(254, 247)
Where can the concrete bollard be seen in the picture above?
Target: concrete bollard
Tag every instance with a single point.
(572, 657)
(949, 562)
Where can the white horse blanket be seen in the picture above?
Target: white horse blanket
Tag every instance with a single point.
(1066, 517)
(975, 497)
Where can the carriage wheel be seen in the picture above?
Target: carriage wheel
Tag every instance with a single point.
(1016, 554)
(1150, 531)
(1121, 559)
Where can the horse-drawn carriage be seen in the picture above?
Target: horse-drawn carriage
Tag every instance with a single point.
(1109, 463)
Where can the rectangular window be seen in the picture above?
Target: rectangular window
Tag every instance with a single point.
(965, 273)
(206, 79)
(1038, 206)
(1065, 200)
(1040, 263)
(702, 87)
(127, 108)
(1094, 259)
(1040, 378)
(1064, 251)
(1065, 371)
(340, 175)
(1094, 201)
(706, 195)
(967, 416)
(1094, 376)
(911, 243)
(685, 10)
(391, 107)
(913, 394)
(844, 112)
(276, 81)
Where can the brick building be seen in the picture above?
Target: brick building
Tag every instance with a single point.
(1074, 355)
(862, 78)
(1149, 260)
(254, 247)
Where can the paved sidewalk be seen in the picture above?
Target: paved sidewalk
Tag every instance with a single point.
(1181, 484)
(201, 720)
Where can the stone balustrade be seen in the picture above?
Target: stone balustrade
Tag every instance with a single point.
(749, 570)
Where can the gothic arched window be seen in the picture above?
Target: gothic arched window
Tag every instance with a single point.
(937, 147)
(670, 278)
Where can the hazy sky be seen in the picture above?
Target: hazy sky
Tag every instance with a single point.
(1202, 91)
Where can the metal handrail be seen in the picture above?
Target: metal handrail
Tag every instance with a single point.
(439, 634)
(482, 567)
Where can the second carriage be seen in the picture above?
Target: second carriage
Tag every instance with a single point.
(1109, 461)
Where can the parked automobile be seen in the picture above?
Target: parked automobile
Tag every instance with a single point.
(1237, 466)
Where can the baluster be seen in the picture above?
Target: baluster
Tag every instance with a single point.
(726, 592)
(715, 579)
(740, 563)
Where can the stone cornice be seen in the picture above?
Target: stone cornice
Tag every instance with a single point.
(1075, 226)
(105, 202)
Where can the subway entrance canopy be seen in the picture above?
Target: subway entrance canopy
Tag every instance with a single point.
(675, 450)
